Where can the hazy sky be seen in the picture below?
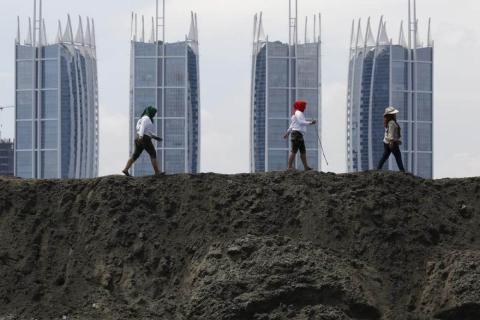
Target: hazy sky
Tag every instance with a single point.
(225, 30)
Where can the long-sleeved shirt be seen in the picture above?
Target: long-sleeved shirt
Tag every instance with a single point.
(145, 127)
(298, 123)
(392, 133)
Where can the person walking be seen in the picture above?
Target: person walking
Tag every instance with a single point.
(392, 139)
(297, 129)
(143, 140)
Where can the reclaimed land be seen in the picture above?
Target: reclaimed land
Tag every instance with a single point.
(276, 246)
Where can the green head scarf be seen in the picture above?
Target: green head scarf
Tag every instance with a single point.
(150, 112)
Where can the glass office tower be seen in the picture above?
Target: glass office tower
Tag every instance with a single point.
(166, 76)
(6, 157)
(382, 74)
(281, 74)
(56, 103)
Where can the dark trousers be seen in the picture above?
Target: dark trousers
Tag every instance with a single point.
(386, 154)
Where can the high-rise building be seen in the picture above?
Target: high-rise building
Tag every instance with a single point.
(6, 157)
(381, 74)
(281, 74)
(166, 76)
(56, 102)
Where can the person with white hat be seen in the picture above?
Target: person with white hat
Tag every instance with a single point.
(392, 139)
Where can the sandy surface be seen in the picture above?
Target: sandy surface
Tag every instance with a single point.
(276, 246)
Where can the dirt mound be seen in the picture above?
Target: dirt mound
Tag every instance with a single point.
(271, 246)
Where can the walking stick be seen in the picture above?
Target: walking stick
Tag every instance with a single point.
(320, 142)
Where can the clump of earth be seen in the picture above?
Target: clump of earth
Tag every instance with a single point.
(276, 246)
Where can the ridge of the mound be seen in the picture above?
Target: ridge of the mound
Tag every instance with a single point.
(284, 245)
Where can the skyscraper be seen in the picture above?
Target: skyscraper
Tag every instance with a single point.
(281, 74)
(6, 157)
(166, 76)
(383, 73)
(56, 102)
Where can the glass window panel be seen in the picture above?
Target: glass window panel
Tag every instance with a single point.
(145, 72)
(49, 165)
(143, 166)
(277, 160)
(424, 76)
(24, 105)
(50, 51)
(175, 72)
(24, 75)
(400, 101)
(24, 164)
(143, 49)
(278, 73)
(24, 52)
(404, 133)
(308, 50)
(24, 135)
(425, 165)
(399, 53)
(174, 102)
(311, 139)
(49, 104)
(278, 106)
(276, 131)
(50, 74)
(307, 73)
(144, 98)
(174, 133)
(424, 136)
(399, 75)
(425, 54)
(174, 161)
(424, 106)
(175, 49)
(159, 131)
(159, 71)
(49, 134)
(277, 49)
(311, 97)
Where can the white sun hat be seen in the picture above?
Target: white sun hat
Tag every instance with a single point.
(390, 110)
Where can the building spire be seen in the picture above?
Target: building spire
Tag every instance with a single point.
(79, 38)
(88, 34)
(59, 38)
(191, 32)
(29, 40)
(94, 40)
(43, 38)
(152, 35)
(429, 36)
(401, 38)
(369, 38)
(306, 29)
(68, 35)
(142, 38)
(383, 40)
(17, 39)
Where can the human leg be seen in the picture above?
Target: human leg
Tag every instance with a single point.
(398, 156)
(386, 155)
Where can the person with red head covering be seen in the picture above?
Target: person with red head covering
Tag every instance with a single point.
(297, 129)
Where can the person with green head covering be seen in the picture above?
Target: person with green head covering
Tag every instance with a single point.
(143, 141)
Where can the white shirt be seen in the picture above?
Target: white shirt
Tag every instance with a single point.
(145, 127)
(299, 123)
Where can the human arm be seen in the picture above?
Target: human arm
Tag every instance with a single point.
(157, 138)
(289, 130)
(141, 130)
(301, 119)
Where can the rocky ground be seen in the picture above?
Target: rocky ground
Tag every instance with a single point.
(277, 246)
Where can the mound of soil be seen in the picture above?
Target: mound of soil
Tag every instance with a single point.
(277, 246)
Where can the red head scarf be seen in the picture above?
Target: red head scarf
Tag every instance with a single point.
(300, 106)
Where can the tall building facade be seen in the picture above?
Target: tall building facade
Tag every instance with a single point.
(382, 74)
(6, 157)
(56, 102)
(281, 74)
(166, 76)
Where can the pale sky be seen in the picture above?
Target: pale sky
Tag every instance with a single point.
(225, 31)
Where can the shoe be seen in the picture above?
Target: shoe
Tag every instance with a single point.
(308, 169)
(125, 172)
